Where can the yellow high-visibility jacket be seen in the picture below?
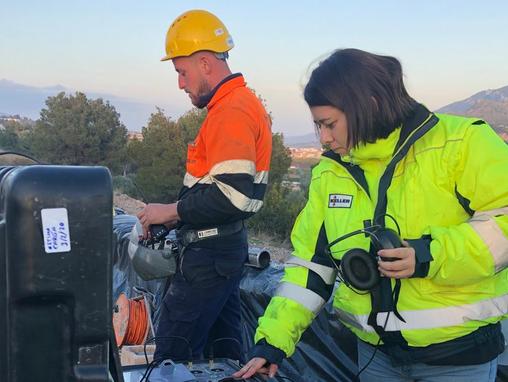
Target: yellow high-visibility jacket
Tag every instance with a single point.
(444, 179)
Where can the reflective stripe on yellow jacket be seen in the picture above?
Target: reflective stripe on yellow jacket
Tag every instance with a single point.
(452, 185)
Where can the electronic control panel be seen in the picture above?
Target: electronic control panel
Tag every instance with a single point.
(219, 370)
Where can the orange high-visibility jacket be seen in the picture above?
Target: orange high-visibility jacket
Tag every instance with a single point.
(228, 163)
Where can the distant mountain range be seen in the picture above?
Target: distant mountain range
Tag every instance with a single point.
(490, 105)
(27, 101)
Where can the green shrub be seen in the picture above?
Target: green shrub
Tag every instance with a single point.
(126, 185)
(279, 212)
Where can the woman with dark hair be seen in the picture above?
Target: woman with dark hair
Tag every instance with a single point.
(410, 209)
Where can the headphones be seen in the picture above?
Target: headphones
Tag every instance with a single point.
(358, 268)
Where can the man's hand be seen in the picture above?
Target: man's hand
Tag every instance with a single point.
(156, 213)
(256, 365)
(402, 267)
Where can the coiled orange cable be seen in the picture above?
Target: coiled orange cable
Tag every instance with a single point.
(130, 321)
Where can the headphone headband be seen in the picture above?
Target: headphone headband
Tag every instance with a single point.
(366, 231)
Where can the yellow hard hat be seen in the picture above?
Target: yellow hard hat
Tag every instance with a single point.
(196, 30)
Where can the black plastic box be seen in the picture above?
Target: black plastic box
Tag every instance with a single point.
(55, 273)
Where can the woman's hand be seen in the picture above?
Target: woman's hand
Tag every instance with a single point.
(256, 365)
(397, 263)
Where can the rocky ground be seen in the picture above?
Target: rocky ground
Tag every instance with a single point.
(130, 205)
(279, 252)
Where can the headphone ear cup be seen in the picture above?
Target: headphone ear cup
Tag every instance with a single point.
(359, 269)
(387, 239)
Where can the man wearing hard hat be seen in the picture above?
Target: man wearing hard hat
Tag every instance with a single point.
(227, 173)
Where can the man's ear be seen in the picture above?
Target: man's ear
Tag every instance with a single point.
(205, 64)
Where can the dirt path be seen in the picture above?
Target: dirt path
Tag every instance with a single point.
(130, 205)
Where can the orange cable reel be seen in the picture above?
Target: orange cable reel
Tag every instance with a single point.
(131, 321)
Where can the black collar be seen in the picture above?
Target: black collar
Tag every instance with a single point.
(205, 99)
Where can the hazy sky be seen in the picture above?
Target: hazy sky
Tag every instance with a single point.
(449, 49)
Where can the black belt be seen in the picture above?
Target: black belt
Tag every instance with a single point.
(189, 236)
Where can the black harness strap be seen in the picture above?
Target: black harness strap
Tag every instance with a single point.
(383, 299)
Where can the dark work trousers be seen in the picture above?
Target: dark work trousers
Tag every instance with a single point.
(200, 315)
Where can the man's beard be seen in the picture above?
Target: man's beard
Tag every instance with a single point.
(203, 90)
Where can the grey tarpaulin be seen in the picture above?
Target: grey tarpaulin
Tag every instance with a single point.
(125, 279)
(327, 350)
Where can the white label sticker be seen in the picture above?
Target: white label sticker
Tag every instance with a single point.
(55, 228)
(208, 233)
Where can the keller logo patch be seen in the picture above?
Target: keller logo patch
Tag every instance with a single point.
(340, 201)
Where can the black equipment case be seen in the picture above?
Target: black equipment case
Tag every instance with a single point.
(55, 273)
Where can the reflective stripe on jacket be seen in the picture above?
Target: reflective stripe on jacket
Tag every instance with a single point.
(450, 183)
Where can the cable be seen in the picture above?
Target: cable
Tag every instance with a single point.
(357, 376)
(220, 340)
(391, 217)
(148, 370)
(144, 347)
(131, 320)
(152, 365)
(137, 324)
(239, 344)
(155, 362)
(339, 272)
(148, 295)
(368, 231)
